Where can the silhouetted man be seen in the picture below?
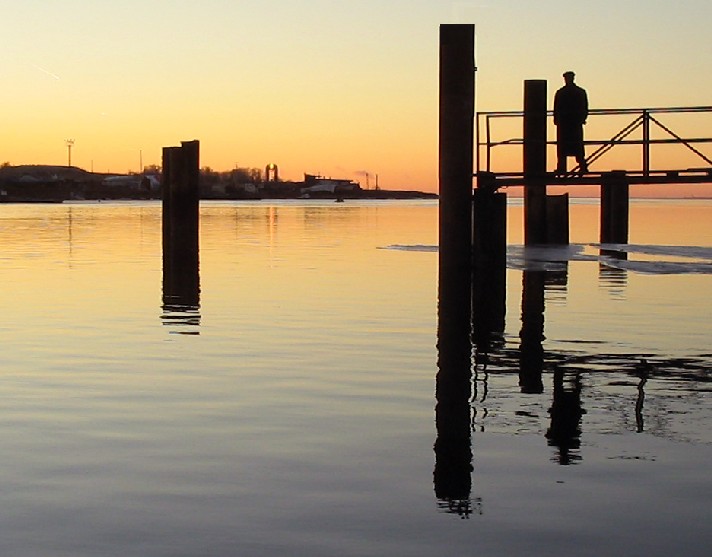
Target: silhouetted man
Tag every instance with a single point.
(570, 113)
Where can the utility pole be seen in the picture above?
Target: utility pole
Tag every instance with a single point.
(70, 143)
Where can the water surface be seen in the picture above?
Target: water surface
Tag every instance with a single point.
(287, 405)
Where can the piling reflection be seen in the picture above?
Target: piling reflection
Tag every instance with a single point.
(181, 247)
(453, 385)
(615, 281)
(531, 335)
(565, 413)
(556, 283)
(181, 297)
(474, 353)
(642, 370)
(489, 306)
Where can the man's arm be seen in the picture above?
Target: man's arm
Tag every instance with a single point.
(584, 103)
(557, 107)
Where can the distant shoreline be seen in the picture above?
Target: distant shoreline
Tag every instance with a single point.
(54, 184)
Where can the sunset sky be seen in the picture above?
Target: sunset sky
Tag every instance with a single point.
(336, 87)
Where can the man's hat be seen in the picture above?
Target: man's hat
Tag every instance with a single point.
(569, 73)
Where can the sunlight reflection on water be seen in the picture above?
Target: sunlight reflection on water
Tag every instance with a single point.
(298, 416)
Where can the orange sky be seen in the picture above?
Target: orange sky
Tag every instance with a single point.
(343, 88)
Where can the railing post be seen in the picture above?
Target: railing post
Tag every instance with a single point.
(489, 146)
(477, 141)
(646, 143)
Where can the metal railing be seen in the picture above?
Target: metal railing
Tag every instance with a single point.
(643, 118)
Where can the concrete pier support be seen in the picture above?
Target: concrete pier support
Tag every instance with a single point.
(535, 162)
(615, 201)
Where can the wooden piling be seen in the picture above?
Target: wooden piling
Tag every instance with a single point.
(615, 201)
(489, 256)
(452, 474)
(557, 219)
(489, 230)
(180, 213)
(535, 161)
(456, 147)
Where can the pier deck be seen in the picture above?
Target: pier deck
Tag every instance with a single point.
(662, 177)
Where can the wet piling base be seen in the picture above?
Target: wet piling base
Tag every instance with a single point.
(557, 219)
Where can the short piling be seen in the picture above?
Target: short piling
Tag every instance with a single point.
(180, 213)
(557, 219)
(615, 201)
(535, 162)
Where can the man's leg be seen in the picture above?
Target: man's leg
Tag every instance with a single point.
(580, 154)
(560, 159)
(581, 160)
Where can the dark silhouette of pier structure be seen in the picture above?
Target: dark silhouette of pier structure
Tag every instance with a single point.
(473, 251)
(545, 216)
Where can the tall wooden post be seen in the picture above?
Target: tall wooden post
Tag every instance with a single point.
(456, 147)
(535, 162)
(615, 197)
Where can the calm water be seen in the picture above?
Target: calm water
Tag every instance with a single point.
(289, 406)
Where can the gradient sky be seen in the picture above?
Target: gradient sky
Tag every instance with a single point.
(340, 88)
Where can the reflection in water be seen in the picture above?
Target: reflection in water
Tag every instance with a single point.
(566, 411)
(181, 300)
(462, 402)
(453, 452)
(181, 292)
(489, 305)
(615, 281)
(489, 309)
(70, 238)
(643, 372)
(531, 351)
(556, 285)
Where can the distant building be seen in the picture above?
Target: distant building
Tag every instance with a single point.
(314, 184)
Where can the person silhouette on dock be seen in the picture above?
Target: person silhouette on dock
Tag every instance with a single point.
(570, 113)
